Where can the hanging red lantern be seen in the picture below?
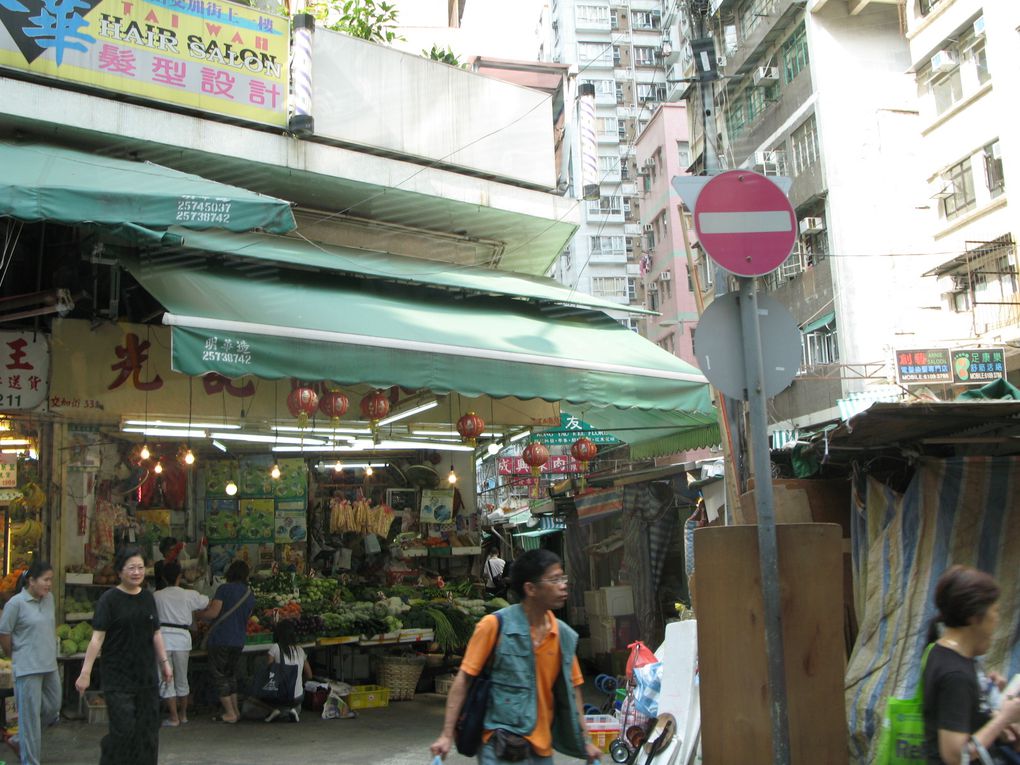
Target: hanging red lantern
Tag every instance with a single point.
(375, 406)
(334, 405)
(302, 403)
(584, 450)
(536, 455)
(470, 427)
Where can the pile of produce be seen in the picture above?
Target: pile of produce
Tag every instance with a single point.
(255, 627)
(78, 606)
(74, 639)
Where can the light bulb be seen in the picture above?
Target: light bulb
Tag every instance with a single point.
(275, 472)
(493, 448)
(231, 488)
(452, 478)
(159, 468)
(189, 457)
(338, 466)
(144, 453)
(369, 470)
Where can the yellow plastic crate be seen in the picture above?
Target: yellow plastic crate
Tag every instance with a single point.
(369, 697)
(603, 729)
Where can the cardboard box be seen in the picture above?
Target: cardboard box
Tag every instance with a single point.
(616, 601)
(603, 633)
(593, 603)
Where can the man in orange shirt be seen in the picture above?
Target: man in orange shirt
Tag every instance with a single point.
(535, 691)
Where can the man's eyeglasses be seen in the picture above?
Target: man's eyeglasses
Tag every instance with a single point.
(556, 580)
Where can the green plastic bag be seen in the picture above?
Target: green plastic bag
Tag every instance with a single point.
(902, 738)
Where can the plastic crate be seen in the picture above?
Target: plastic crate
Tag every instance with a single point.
(258, 638)
(444, 684)
(369, 697)
(96, 705)
(604, 730)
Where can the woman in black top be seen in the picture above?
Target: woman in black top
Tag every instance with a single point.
(126, 628)
(955, 709)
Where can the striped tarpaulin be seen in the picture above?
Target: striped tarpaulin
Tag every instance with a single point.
(598, 504)
(961, 510)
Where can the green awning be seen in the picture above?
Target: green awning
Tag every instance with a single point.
(352, 331)
(291, 251)
(821, 321)
(42, 182)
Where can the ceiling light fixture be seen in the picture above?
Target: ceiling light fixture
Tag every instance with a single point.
(230, 488)
(451, 434)
(519, 436)
(330, 431)
(219, 445)
(452, 478)
(409, 412)
(175, 424)
(162, 433)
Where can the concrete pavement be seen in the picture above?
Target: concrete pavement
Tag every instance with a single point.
(397, 735)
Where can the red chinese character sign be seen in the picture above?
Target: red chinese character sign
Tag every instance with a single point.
(745, 223)
(24, 370)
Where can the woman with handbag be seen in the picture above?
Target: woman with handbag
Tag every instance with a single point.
(230, 607)
(176, 607)
(290, 663)
(959, 725)
(126, 630)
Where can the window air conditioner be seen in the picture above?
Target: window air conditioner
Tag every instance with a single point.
(648, 228)
(665, 276)
(649, 163)
(943, 61)
(765, 75)
(812, 225)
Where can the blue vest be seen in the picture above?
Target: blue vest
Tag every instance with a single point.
(513, 704)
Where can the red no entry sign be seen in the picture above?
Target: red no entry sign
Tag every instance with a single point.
(745, 223)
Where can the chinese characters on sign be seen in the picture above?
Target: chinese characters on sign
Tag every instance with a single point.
(8, 471)
(964, 366)
(572, 428)
(24, 369)
(558, 463)
(210, 55)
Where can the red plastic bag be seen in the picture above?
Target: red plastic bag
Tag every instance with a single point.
(640, 655)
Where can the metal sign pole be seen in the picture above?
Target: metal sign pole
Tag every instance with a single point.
(767, 548)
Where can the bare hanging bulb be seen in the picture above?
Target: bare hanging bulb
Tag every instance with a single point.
(275, 472)
(369, 470)
(145, 453)
(338, 466)
(159, 468)
(452, 478)
(189, 457)
(230, 488)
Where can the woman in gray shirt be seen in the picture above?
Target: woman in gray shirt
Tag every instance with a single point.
(28, 634)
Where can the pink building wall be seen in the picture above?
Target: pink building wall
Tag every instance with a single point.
(659, 158)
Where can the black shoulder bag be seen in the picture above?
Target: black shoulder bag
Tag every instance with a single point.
(471, 720)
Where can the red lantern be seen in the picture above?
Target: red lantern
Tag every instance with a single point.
(302, 403)
(536, 455)
(470, 426)
(584, 450)
(375, 406)
(334, 405)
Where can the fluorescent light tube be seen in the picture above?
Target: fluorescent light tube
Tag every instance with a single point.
(219, 445)
(163, 433)
(409, 412)
(262, 438)
(519, 436)
(15, 442)
(293, 429)
(451, 434)
(174, 424)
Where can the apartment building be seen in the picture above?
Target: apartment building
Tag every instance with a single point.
(822, 93)
(617, 47)
(965, 58)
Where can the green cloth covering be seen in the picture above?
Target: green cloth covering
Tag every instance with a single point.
(43, 182)
(999, 390)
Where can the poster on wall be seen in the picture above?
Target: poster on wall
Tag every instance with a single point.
(221, 520)
(291, 521)
(257, 556)
(26, 365)
(436, 505)
(257, 480)
(256, 520)
(155, 524)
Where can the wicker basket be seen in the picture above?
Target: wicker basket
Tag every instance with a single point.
(400, 674)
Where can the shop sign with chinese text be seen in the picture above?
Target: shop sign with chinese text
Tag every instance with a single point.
(923, 367)
(558, 463)
(572, 428)
(210, 55)
(978, 366)
(24, 370)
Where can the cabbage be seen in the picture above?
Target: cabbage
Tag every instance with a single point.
(68, 647)
(64, 631)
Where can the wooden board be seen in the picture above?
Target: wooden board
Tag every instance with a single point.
(736, 719)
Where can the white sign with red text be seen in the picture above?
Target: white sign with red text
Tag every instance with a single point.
(24, 370)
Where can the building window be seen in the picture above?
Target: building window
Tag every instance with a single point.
(606, 206)
(607, 245)
(668, 343)
(795, 54)
(607, 127)
(591, 52)
(644, 55)
(624, 171)
(752, 14)
(644, 20)
(653, 299)
(604, 88)
(994, 178)
(621, 131)
(946, 89)
(683, 154)
(736, 118)
(631, 289)
(650, 237)
(959, 189)
(804, 145)
(759, 99)
(609, 165)
(617, 55)
(631, 324)
(981, 63)
(592, 15)
(609, 286)
(650, 92)
(820, 346)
